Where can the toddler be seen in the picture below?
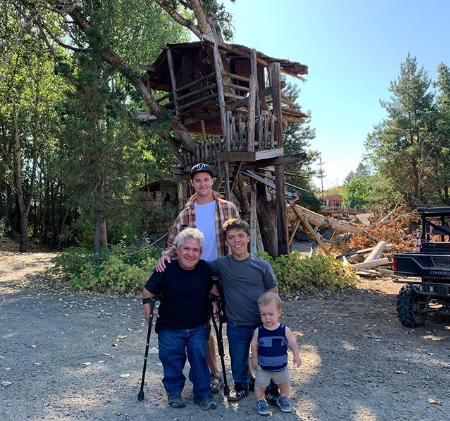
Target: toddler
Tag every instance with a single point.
(269, 348)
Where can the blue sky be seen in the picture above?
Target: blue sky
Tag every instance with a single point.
(353, 49)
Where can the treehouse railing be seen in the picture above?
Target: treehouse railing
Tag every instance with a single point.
(207, 150)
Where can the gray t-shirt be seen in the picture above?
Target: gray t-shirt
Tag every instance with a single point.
(243, 283)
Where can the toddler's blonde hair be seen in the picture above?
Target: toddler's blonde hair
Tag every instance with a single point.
(268, 298)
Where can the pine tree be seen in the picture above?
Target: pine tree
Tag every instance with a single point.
(399, 146)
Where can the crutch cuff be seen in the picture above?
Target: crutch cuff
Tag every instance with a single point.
(213, 297)
(147, 300)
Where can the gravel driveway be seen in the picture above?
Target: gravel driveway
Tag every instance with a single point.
(75, 356)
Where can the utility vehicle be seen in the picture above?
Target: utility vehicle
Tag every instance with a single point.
(429, 291)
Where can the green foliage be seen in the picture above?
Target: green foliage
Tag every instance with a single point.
(311, 274)
(333, 190)
(401, 147)
(356, 192)
(119, 271)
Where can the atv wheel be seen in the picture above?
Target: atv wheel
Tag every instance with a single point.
(409, 305)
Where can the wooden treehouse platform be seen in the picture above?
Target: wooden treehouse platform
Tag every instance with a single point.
(231, 100)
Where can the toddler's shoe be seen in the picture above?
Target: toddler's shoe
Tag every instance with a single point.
(262, 407)
(283, 403)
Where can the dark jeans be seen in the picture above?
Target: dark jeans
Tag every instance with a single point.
(239, 339)
(173, 345)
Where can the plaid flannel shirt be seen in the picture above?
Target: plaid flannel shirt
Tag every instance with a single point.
(224, 210)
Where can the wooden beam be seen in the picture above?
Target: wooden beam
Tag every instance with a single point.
(269, 153)
(235, 156)
(197, 101)
(310, 230)
(220, 94)
(252, 103)
(371, 264)
(293, 231)
(172, 80)
(266, 182)
(375, 253)
(253, 216)
(226, 179)
(282, 231)
(285, 159)
(195, 82)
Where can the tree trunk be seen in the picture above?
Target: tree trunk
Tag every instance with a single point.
(23, 218)
(97, 240)
(267, 219)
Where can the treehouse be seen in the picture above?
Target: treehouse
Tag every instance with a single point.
(230, 98)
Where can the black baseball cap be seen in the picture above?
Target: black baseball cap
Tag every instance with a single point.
(201, 168)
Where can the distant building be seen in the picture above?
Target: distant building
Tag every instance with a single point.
(333, 204)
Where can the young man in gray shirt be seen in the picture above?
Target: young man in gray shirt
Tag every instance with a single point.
(245, 277)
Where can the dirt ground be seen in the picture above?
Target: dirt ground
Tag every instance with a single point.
(76, 356)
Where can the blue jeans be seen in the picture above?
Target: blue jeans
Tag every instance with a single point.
(239, 339)
(172, 353)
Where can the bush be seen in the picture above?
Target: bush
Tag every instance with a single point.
(119, 271)
(296, 272)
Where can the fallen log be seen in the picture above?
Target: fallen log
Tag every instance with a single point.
(294, 211)
(371, 264)
(375, 253)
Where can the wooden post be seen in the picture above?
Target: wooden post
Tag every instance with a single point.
(202, 124)
(252, 103)
(220, 95)
(253, 217)
(282, 230)
(226, 180)
(172, 80)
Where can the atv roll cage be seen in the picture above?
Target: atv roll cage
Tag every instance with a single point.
(430, 265)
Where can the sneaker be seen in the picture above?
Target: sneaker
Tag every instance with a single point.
(262, 407)
(237, 394)
(176, 402)
(205, 403)
(283, 403)
(272, 396)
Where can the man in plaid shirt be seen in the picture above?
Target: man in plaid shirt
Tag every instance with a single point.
(206, 211)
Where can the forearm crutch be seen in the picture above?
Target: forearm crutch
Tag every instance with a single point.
(218, 330)
(151, 301)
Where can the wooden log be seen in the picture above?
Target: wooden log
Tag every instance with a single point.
(252, 104)
(202, 124)
(237, 87)
(244, 102)
(324, 222)
(220, 94)
(198, 91)
(236, 77)
(375, 253)
(253, 216)
(173, 81)
(234, 96)
(196, 82)
(311, 232)
(293, 231)
(226, 179)
(282, 231)
(197, 101)
(371, 264)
